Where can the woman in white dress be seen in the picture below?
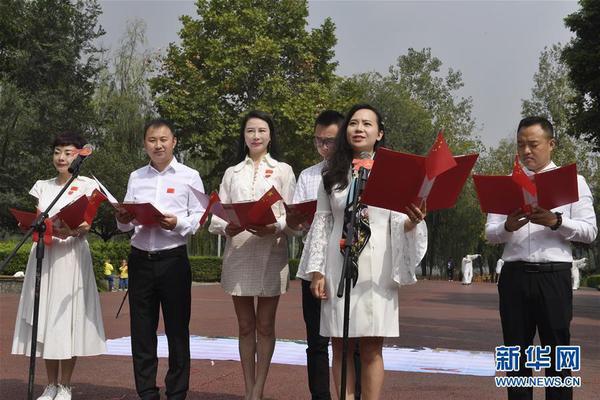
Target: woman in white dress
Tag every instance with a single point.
(394, 244)
(70, 319)
(255, 261)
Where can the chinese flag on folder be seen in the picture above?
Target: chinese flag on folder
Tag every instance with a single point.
(263, 205)
(397, 178)
(505, 194)
(520, 178)
(439, 159)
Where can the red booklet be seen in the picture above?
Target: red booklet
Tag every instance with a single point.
(242, 214)
(308, 208)
(399, 179)
(144, 213)
(504, 194)
(24, 218)
(73, 214)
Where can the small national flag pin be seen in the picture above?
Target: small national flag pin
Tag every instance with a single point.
(170, 190)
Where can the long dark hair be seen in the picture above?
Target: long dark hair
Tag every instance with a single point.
(336, 174)
(242, 148)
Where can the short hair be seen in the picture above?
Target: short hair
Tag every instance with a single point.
(69, 138)
(158, 123)
(536, 120)
(272, 147)
(329, 117)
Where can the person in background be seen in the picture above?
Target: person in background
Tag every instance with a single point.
(108, 275)
(123, 275)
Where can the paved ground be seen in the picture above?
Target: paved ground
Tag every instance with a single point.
(434, 314)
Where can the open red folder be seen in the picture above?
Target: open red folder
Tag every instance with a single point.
(399, 179)
(243, 214)
(504, 195)
(308, 208)
(143, 213)
(82, 209)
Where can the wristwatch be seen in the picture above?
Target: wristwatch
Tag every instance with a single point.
(558, 221)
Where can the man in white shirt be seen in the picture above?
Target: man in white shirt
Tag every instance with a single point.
(535, 284)
(159, 269)
(326, 129)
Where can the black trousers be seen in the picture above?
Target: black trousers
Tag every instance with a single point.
(317, 356)
(531, 300)
(160, 280)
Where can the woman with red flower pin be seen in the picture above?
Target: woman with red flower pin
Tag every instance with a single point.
(255, 262)
(70, 319)
(387, 248)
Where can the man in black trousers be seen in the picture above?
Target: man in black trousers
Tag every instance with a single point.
(326, 129)
(159, 269)
(535, 284)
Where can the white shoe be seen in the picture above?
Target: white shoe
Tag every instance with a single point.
(64, 393)
(49, 393)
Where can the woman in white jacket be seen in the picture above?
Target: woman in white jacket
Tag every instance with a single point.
(392, 244)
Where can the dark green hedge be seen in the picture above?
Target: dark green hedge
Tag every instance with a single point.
(204, 269)
(593, 281)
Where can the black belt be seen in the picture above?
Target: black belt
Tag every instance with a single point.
(531, 267)
(160, 254)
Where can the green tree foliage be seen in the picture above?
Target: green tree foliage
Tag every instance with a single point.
(241, 55)
(48, 66)
(122, 105)
(582, 55)
(416, 100)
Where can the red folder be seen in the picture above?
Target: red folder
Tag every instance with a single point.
(244, 214)
(396, 179)
(24, 218)
(308, 208)
(502, 195)
(144, 213)
(74, 213)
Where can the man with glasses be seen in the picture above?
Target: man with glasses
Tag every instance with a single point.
(327, 125)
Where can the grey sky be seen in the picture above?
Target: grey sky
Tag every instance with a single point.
(495, 44)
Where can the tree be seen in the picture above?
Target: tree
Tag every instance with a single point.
(552, 97)
(582, 55)
(240, 55)
(48, 66)
(122, 104)
(416, 102)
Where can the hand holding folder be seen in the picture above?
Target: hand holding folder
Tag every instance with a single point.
(399, 179)
(509, 193)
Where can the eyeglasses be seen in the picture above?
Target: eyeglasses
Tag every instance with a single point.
(327, 142)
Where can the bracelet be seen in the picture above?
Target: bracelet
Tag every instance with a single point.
(558, 221)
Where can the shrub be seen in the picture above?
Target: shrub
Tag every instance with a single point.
(593, 281)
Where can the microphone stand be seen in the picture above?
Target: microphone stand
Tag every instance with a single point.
(38, 226)
(345, 284)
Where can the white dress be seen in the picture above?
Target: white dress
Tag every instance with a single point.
(253, 265)
(389, 259)
(70, 319)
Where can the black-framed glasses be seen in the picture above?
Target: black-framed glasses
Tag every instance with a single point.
(327, 142)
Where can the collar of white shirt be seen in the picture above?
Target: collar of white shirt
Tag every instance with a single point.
(270, 161)
(174, 165)
(548, 167)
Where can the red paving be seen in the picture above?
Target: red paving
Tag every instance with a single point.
(434, 314)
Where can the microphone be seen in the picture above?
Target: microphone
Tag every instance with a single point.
(82, 154)
(363, 165)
